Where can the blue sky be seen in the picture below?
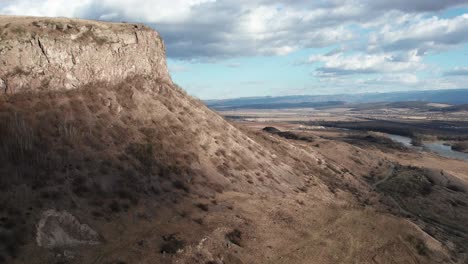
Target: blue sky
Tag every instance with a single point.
(246, 76)
(238, 48)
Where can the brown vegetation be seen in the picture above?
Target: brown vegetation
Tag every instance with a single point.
(460, 146)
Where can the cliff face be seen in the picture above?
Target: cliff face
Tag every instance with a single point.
(45, 54)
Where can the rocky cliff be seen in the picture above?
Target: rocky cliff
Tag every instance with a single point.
(51, 54)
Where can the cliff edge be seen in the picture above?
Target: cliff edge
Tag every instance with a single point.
(60, 53)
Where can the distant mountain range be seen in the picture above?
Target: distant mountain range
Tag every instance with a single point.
(452, 97)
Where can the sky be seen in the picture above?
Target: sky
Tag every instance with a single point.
(241, 48)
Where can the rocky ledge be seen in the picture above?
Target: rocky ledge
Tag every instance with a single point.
(53, 54)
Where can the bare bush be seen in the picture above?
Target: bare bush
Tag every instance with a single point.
(69, 133)
(17, 140)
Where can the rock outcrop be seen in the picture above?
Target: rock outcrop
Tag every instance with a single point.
(53, 54)
(63, 230)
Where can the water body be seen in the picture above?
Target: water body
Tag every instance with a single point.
(406, 141)
(446, 151)
(436, 147)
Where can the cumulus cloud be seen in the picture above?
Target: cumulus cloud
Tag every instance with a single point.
(422, 33)
(458, 71)
(394, 79)
(414, 5)
(335, 64)
(196, 29)
(231, 30)
(44, 8)
(135, 10)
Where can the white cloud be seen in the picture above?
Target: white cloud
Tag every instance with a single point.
(335, 64)
(457, 71)
(414, 5)
(45, 8)
(153, 11)
(149, 11)
(400, 79)
(423, 33)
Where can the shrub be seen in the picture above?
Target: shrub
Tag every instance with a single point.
(408, 182)
(203, 207)
(79, 186)
(171, 244)
(419, 244)
(221, 153)
(11, 240)
(143, 153)
(127, 195)
(52, 195)
(69, 133)
(198, 221)
(235, 237)
(17, 140)
(417, 142)
(89, 35)
(460, 146)
(114, 206)
(180, 185)
(455, 188)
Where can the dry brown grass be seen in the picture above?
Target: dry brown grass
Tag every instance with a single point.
(17, 140)
(131, 173)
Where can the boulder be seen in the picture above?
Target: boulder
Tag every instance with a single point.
(62, 230)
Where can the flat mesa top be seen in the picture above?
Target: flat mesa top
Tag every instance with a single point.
(38, 24)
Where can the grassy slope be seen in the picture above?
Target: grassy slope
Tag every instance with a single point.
(142, 161)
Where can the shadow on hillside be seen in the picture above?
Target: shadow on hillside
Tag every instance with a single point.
(87, 151)
(436, 201)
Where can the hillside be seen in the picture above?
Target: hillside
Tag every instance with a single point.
(281, 105)
(106, 160)
(455, 108)
(453, 96)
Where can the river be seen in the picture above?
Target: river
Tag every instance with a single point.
(436, 147)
